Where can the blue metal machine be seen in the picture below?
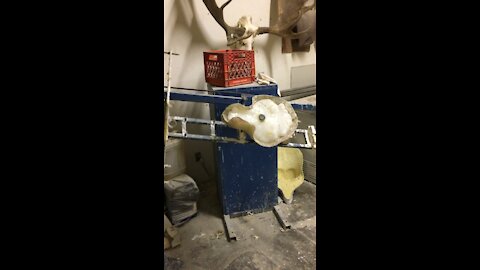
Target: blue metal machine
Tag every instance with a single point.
(247, 172)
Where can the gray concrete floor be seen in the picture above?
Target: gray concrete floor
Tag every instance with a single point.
(261, 241)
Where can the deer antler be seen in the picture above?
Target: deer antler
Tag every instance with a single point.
(288, 18)
(234, 34)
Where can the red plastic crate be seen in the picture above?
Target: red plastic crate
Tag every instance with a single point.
(228, 68)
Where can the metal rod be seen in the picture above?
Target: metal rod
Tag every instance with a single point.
(191, 89)
(171, 53)
(204, 137)
(204, 98)
(296, 145)
(203, 90)
(167, 105)
(294, 91)
(169, 77)
(198, 121)
(299, 96)
(230, 140)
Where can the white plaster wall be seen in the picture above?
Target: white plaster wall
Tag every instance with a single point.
(190, 30)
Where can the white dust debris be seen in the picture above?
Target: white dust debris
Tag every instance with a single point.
(198, 236)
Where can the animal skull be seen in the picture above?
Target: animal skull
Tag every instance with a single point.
(246, 41)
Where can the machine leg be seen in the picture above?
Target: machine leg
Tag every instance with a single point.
(229, 228)
(281, 215)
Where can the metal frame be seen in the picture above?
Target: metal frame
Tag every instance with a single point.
(309, 134)
(193, 97)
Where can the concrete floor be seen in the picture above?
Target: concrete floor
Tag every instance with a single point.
(261, 241)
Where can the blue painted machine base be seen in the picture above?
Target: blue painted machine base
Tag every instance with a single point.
(247, 173)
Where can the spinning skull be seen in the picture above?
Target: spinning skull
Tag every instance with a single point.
(269, 121)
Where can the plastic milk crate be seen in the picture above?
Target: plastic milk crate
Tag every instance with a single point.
(226, 68)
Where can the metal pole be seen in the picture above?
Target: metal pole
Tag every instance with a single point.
(167, 105)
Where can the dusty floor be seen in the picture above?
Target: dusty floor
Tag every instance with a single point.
(261, 241)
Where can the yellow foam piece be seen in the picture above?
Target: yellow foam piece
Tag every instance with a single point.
(290, 170)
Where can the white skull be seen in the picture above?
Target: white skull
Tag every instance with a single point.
(250, 29)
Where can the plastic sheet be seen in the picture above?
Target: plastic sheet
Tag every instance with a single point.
(181, 194)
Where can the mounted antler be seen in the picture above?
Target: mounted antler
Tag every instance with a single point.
(242, 35)
(233, 33)
(288, 18)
